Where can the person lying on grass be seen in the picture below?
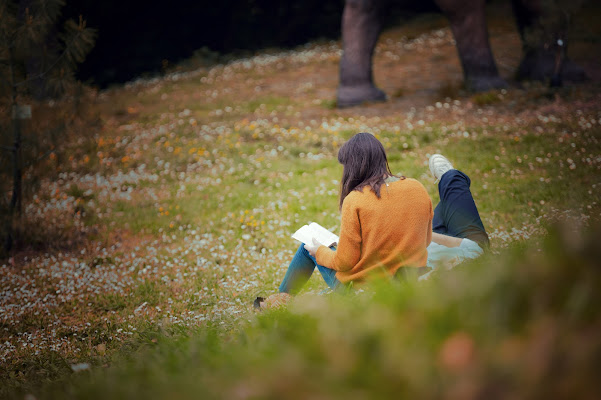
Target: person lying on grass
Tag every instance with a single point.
(458, 232)
(388, 224)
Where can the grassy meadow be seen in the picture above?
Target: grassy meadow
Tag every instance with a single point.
(188, 187)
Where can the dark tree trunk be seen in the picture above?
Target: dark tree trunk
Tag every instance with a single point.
(14, 211)
(468, 24)
(360, 29)
(544, 44)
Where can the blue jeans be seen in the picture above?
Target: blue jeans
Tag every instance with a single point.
(456, 214)
(300, 270)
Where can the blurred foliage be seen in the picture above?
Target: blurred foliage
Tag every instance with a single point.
(36, 58)
(487, 98)
(522, 323)
(37, 65)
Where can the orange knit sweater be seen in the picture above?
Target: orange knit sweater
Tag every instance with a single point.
(381, 235)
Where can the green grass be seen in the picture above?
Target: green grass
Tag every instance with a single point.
(508, 318)
(189, 216)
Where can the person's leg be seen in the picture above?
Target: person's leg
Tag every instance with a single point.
(456, 214)
(300, 270)
(329, 276)
(438, 222)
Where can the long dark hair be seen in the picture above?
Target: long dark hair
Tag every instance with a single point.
(365, 164)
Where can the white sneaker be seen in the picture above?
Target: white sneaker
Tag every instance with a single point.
(439, 165)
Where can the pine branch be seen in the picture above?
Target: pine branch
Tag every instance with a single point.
(80, 33)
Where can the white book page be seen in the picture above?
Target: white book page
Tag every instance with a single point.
(307, 232)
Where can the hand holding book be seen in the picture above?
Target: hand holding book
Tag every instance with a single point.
(312, 247)
(307, 233)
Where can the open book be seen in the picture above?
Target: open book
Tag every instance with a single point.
(314, 230)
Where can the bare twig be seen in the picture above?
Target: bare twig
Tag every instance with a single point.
(40, 158)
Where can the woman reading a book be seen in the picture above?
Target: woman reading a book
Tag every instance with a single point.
(386, 223)
(388, 226)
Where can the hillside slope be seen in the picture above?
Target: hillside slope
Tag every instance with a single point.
(195, 181)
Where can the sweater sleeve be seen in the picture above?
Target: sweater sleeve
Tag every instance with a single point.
(348, 252)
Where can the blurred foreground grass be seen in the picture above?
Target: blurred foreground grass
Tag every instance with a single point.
(190, 189)
(524, 323)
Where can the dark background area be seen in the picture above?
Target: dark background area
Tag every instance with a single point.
(135, 37)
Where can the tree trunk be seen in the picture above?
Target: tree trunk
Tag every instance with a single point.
(544, 32)
(14, 211)
(360, 30)
(468, 24)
